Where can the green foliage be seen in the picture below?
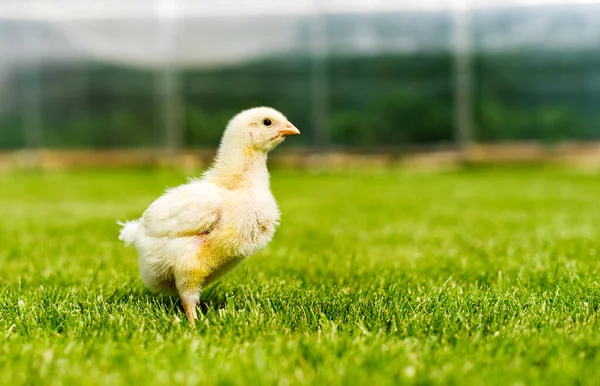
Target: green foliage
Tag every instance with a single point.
(547, 124)
(484, 277)
(200, 126)
(374, 101)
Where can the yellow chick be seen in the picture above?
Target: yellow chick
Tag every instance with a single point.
(195, 233)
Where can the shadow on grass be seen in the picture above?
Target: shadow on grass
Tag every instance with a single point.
(211, 299)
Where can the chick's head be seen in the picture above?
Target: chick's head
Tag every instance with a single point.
(260, 128)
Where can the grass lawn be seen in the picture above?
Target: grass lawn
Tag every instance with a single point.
(475, 277)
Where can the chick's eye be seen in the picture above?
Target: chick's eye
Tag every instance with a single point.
(267, 122)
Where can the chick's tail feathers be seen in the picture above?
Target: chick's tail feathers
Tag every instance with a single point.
(129, 231)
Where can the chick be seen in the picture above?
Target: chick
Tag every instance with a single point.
(195, 233)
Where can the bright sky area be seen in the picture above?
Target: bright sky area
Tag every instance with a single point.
(92, 9)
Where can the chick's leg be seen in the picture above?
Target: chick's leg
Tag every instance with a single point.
(189, 281)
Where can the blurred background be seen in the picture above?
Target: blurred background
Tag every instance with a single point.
(512, 78)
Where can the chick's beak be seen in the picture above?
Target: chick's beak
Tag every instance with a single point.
(289, 129)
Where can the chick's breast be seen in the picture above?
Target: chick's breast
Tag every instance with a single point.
(248, 221)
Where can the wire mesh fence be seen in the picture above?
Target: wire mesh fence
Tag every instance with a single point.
(368, 75)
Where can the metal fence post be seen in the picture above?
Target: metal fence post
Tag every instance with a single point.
(462, 78)
(319, 81)
(170, 89)
(31, 107)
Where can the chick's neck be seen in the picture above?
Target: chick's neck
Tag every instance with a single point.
(239, 168)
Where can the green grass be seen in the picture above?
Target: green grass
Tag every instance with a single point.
(480, 277)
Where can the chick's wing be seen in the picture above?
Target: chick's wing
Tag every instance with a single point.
(187, 210)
